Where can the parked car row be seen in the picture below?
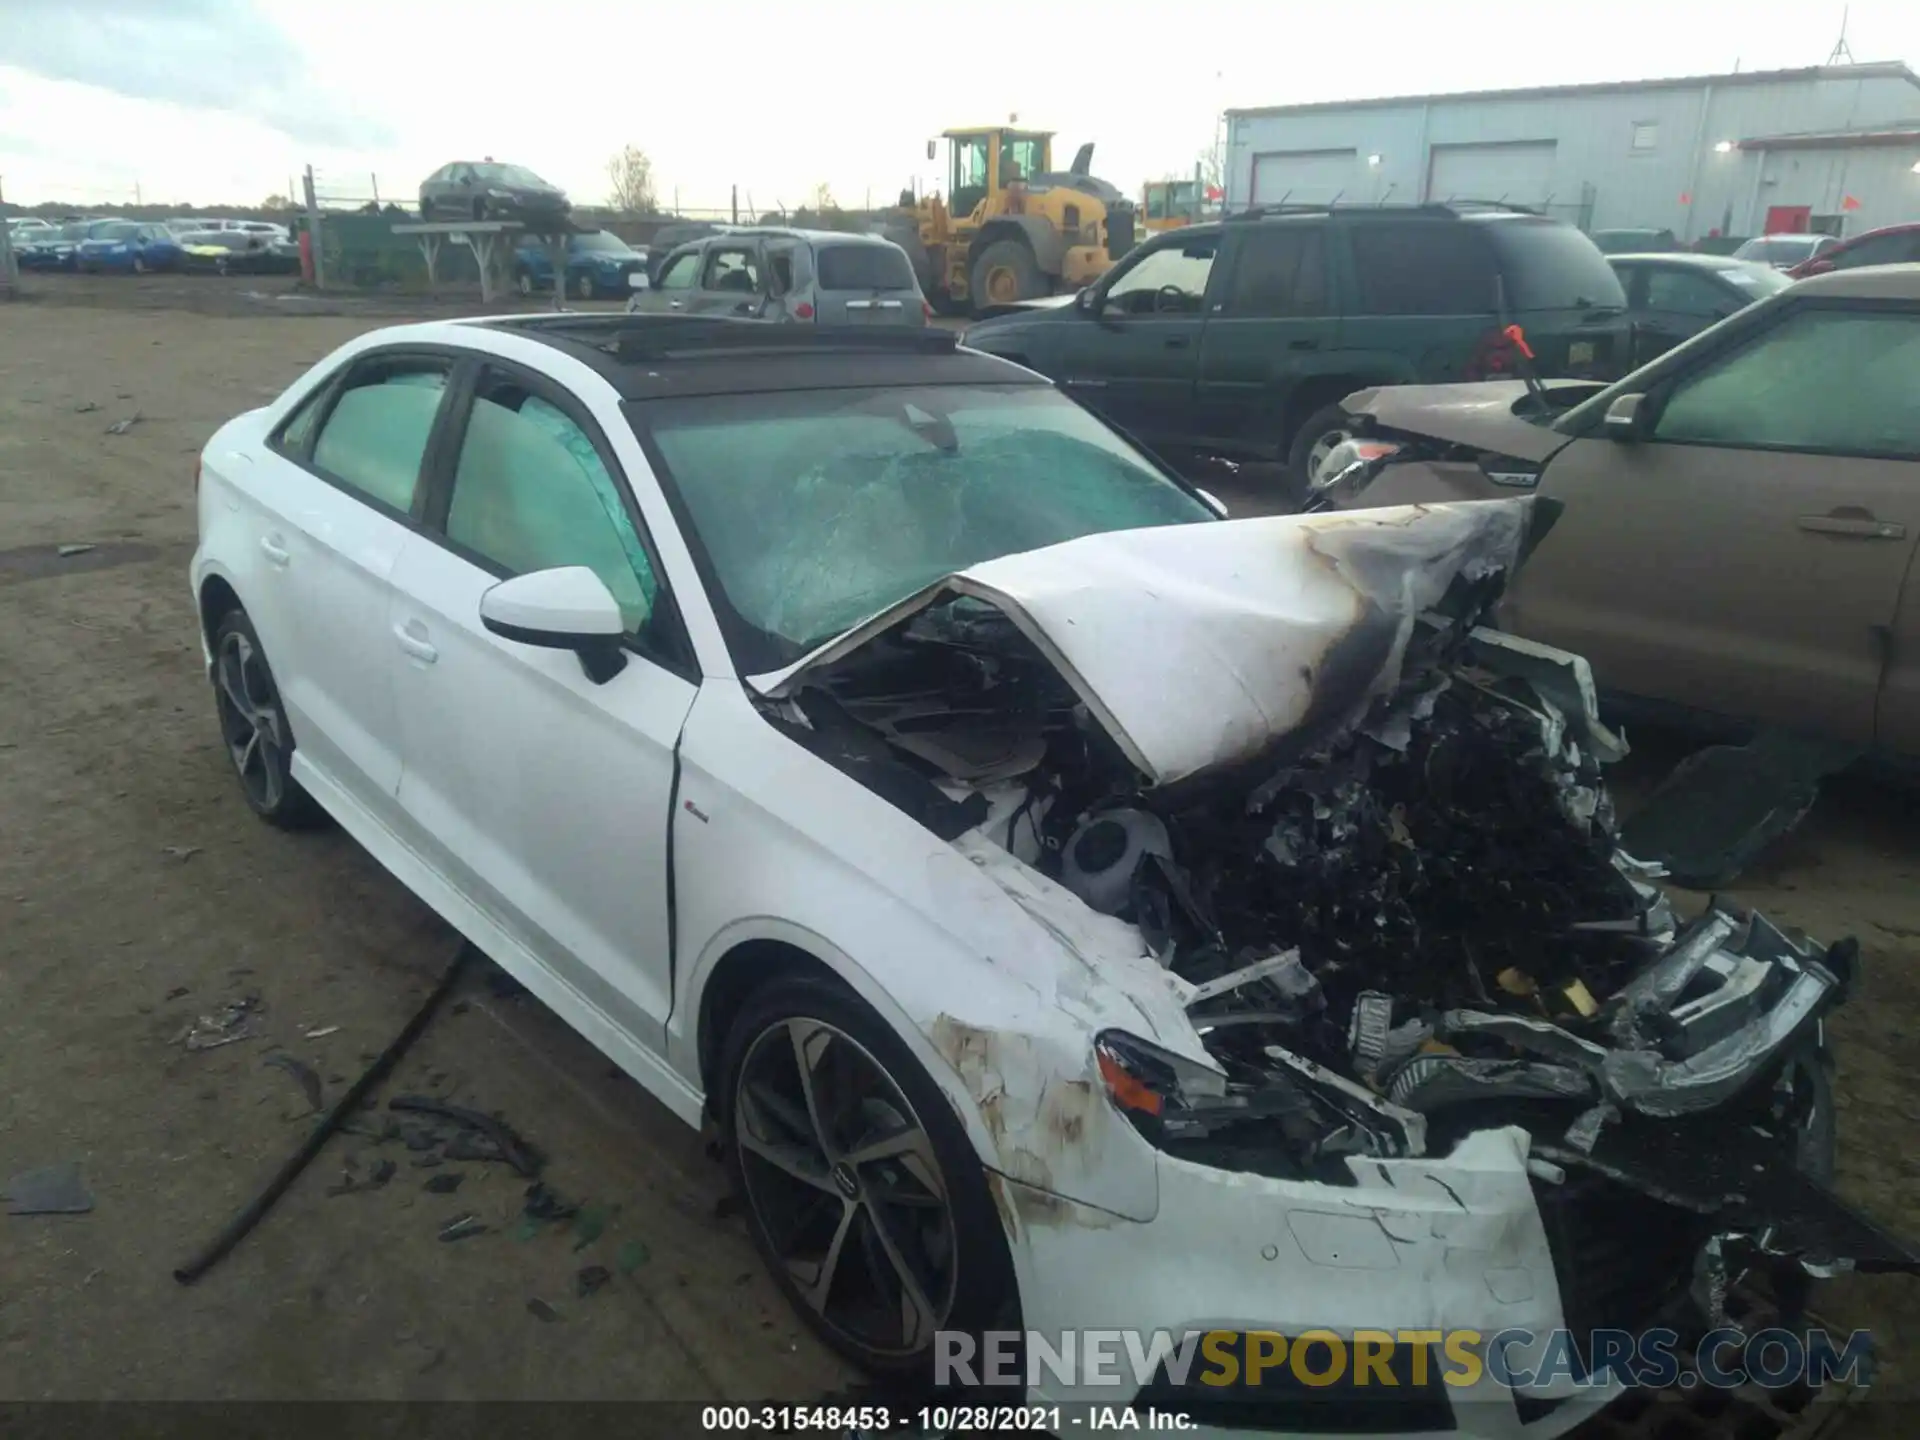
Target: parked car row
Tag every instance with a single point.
(138, 248)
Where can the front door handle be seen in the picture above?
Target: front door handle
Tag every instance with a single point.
(1857, 523)
(415, 645)
(1177, 342)
(1085, 384)
(673, 304)
(276, 553)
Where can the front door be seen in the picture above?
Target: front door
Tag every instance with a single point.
(1135, 356)
(543, 795)
(733, 283)
(678, 277)
(335, 496)
(1747, 557)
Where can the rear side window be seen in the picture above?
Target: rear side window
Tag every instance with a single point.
(375, 437)
(734, 271)
(681, 272)
(864, 267)
(1437, 268)
(1550, 266)
(1282, 270)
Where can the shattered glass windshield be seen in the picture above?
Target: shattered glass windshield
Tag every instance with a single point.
(817, 509)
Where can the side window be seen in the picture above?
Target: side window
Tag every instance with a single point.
(733, 270)
(1442, 267)
(531, 492)
(1282, 270)
(1169, 281)
(1833, 381)
(1685, 293)
(376, 434)
(780, 269)
(298, 430)
(681, 272)
(1881, 250)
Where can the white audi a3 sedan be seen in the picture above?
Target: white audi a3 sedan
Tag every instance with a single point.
(1074, 908)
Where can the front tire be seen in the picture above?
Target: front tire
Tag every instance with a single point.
(585, 288)
(1006, 272)
(253, 725)
(864, 1197)
(524, 279)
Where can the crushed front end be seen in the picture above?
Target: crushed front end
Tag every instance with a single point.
(1468, 1068)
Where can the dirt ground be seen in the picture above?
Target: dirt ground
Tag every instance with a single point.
(137, 893)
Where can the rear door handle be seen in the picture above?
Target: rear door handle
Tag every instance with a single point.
(415, 645)
(673, 304)
(1863, 527)
(276, 553)
(1177, 342)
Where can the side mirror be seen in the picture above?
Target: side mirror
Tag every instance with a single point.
(1086, 300)
(637, 280)
(569, 608)
(1212, 501)
(1622, 420)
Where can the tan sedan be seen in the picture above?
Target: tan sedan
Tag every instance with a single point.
(1740, 515)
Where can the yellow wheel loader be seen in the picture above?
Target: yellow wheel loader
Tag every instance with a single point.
(1010, 227)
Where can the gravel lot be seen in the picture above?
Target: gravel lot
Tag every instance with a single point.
(136, 893)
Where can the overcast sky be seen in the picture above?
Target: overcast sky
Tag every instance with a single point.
(224, 100)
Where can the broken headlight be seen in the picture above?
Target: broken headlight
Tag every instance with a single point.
(1351, 459)
(1162, 1093)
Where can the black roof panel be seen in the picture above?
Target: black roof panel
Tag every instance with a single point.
(650, 357)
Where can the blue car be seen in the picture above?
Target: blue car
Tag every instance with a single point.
(129, 246)
(597, 264)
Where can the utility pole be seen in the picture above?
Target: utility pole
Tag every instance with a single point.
(313, 231)
(374, 180)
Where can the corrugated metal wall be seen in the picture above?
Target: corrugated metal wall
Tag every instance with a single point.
(1595, 153)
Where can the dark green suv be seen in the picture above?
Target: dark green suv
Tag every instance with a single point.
(1239, 338)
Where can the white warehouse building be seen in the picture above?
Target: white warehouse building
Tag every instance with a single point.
(1833, 148)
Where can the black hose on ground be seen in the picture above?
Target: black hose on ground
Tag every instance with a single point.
(238, 1228)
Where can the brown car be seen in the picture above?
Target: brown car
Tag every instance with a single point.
(1740, 515)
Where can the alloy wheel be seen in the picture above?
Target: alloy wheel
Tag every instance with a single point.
(845, 1185)
(1323, 447)
(250, 720)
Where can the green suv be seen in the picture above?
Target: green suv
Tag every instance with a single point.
(1239, 338)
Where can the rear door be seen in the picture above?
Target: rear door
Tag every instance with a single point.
(1676, 303)
(337, 493)
(1747, 558)
(1136, 357)
(1272, 327)
(1422, 302)
(865, 283)
(1558, 287)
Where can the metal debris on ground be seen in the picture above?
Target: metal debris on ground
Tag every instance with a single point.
(87, 408)
(181, 852)
(322, 1032)
(121, 427)
(484, 1137)
(49, 1190)
(67, 552)
(303, 1075)
(445, 1184)
(591, 1279)
(543, 1204)
(542, 1311)
(461, 1226)
(231, 1023)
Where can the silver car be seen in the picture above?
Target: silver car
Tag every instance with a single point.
(820, 277)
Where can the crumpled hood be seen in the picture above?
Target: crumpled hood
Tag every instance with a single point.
(1198, 646)
(1480, 415)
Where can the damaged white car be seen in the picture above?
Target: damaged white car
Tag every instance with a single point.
(1076, 909)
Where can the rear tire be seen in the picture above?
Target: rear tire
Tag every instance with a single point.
(585, 288)
(254, 728)
(523, 280)
(1005, 273)
(1318, 433)
(849, 1229)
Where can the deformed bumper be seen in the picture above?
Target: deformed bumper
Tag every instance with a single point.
(1439, 1246)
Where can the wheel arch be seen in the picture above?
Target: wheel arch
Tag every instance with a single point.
(1048, 245)
(751, 959)
(216, 597)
